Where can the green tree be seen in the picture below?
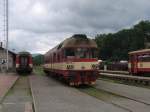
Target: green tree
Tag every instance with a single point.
(116, 46)
(38, 60)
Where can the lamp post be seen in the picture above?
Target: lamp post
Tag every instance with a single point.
(7, 33)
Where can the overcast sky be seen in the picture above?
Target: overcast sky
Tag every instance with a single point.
(39, 25)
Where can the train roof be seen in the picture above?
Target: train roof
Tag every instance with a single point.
(77, 40)
(139, 51)
(24, 53)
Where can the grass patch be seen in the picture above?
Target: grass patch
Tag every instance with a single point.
(38, 70)
(99, 94)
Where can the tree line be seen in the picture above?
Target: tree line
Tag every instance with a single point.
(38, 60)
(115, 46)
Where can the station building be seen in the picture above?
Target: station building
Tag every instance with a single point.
(11, 57)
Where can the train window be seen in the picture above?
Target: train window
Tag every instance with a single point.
(54, 57)
(58, 57)
(86, 53)
(69, 52)
(93, 53)
(144, 58)
(23, 61)
(82, 53)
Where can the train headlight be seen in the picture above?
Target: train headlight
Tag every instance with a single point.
(94, 66)
(70, 67)
(31, 65)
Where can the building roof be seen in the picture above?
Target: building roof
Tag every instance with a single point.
(11, 52)
(140, 51)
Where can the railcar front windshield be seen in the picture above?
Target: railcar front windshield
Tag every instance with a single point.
(144, 58)
(24, 60)
(81, 53)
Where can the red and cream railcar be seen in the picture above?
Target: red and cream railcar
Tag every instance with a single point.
(24, 62)
(73, 60)
(139, 61)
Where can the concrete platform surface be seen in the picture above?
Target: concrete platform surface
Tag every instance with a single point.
(52, 96)
(6, 82)
(132, 92)
(19, 98)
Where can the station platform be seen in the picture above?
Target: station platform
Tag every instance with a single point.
(6, 82)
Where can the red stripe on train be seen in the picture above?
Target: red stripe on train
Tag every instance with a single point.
(143, 69)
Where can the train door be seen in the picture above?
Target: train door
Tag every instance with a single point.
(24, 61)
(134, 64)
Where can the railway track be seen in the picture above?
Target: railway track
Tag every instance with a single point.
(114, 72)
(59, 93)
(126, 78)
(120, 95)
(123, 101)
(48, 94)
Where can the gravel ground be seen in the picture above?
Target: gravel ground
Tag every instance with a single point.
(52, 96)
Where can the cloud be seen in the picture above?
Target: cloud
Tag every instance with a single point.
(38, 25)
